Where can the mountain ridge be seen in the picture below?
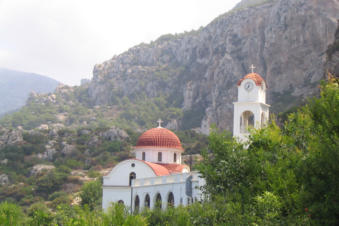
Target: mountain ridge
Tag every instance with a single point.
(15, 87)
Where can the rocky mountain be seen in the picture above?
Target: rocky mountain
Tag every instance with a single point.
(189, 79)
(196, 72)
(16, 86)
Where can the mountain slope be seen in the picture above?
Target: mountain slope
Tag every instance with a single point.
(189, 79)
(196, 72)
(15, 87)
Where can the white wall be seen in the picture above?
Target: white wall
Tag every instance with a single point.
(152, 154)
(114, 194)
(257, 94)
(164, 185)
(119, 176)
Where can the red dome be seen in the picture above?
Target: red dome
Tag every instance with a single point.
(255, 77)
(159, 137)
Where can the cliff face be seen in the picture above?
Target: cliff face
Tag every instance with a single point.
(197, 71)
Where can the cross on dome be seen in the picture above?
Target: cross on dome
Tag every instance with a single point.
(252, 68)
(159, 122)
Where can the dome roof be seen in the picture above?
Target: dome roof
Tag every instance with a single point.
(255, 77)
(159, 137)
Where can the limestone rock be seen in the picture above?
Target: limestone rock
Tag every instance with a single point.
(114, 133)
(40, 168)
(285, 40)
(68, 149)
(4, 179)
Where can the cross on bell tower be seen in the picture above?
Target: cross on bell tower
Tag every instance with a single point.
(159, 123)
(252, 68)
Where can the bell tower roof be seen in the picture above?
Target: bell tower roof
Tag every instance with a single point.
(258, 80)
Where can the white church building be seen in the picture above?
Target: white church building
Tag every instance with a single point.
(156, 176)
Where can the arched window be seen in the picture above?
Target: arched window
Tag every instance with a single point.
(246, 121)
(170, 200)
(121, 202)
(159, 156)
(263, 119)
(132, 176)
(144, 156)
(158, 201)
(175, 157)
(136, 204)
(147, 201)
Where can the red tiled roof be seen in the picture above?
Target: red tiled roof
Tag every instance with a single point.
(164, 169)
(255, 77)
(175, 168)
(159, 137)
(158, 169)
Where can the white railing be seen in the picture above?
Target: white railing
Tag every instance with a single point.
(175, 178)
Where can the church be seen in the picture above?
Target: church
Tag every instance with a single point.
(156, 177)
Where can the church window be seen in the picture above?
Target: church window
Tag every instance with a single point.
(136, 204)
(159, 156)
(175, 157)
(158, 201)
(170, 200)
(144, 156)
(133, 165)
(132, 176)
(246, 121)
(147, 201)
(121, 202)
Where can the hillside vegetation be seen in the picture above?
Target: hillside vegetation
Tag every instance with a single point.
(286, 176)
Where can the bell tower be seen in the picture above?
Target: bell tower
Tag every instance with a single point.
(251, 110)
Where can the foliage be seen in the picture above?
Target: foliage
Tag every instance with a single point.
(91, 194)
(10, 214)
(287, 174)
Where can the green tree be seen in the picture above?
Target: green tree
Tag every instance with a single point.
(91, 194)
(10, 214)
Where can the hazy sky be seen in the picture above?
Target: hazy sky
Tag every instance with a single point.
(64, 39)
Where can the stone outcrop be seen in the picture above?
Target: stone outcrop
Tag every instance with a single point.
(40, 168)
(4, 179)
(10, 137)
(285, 39)
(114, 133)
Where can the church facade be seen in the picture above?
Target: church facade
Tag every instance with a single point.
(156, 177)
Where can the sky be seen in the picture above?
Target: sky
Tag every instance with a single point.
(64, 39)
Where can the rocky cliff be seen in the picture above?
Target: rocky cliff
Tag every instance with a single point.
(197, 71)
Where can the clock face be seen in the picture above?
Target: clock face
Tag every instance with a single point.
(248, 86)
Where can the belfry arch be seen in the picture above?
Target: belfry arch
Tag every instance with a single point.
(246, 121)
